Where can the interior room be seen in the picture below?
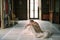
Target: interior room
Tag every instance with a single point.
(15, 14)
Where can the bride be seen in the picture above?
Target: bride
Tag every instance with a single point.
(35, 29)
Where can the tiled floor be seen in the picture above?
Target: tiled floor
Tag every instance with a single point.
(15, 33)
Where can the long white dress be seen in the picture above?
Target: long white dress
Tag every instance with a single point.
(30, 31)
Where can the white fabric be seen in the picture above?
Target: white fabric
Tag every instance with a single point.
(30, 31)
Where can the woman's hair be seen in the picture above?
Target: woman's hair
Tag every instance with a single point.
(31, 21)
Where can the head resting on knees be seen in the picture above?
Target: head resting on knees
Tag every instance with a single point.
(31, 21)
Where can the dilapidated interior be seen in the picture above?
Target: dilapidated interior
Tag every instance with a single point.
(15, 13)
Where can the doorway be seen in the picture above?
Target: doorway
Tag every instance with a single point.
(20, 9)
(33, 9)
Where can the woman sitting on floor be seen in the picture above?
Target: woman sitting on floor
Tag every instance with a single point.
(36, 30)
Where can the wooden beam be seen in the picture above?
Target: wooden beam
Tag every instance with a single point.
(2, 17)
(12, 14)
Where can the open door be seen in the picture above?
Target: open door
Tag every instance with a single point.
(45, 9)
(20, 9)
(56, 17)
(33, 9)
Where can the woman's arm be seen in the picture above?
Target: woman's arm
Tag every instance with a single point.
(27, 25)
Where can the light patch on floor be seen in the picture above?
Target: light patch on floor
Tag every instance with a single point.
(16, 32)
